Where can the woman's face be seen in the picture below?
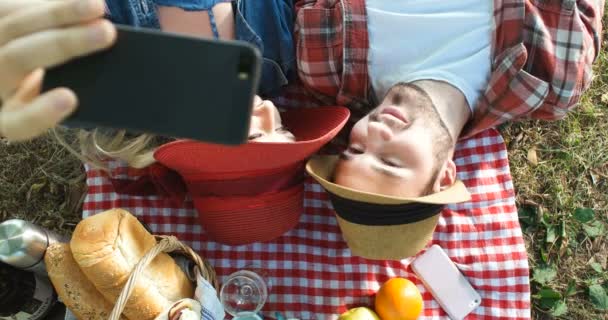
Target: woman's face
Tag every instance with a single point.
(266, 123)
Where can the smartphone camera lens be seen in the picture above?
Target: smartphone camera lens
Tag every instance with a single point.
(244, 66)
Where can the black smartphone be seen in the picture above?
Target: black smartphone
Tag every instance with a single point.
(166, 84)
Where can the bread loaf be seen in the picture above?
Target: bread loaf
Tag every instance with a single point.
(107, 246)
(72, 286)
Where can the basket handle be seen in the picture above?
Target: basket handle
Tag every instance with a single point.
(166, 244)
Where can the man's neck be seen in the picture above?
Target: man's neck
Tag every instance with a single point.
(450, 104)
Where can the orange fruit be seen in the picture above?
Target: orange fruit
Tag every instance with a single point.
(398, 299)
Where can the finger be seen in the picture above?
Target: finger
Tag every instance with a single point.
(48, 15)
(49, 48)
(28, 90)
(257, 100)
(43, 113)
(9, 6)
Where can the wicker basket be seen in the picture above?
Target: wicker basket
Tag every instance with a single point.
(164, 244)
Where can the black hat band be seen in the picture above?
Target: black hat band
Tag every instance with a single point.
(373, 214)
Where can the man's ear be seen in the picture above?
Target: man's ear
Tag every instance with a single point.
(446, 176)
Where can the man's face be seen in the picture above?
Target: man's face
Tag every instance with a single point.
(394, 150)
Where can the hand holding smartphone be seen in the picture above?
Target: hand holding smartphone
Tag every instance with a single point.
(165, 84)
(446, 283)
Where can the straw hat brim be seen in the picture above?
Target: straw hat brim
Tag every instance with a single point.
(321, 168)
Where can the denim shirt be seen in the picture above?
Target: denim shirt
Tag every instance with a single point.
(266, 24)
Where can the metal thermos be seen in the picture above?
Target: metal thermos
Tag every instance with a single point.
(23, 244)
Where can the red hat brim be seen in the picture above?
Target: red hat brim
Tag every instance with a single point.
(312, 127)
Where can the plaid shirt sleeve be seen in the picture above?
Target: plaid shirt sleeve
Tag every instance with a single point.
(543, 77)
(331, 52)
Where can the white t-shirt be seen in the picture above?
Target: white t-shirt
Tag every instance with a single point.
(447, 40)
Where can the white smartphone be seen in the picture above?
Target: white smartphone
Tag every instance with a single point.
(446, 283)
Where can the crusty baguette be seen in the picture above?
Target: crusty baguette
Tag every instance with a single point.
(107, 246)
(72, 286)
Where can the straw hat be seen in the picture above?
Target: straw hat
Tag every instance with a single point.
(383, 227)
(252, 192)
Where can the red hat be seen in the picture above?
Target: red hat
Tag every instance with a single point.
(252, 192)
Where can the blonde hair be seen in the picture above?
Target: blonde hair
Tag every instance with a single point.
(99, 145)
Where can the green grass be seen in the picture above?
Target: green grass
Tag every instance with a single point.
(560, 172)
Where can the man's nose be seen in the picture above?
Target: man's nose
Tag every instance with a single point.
(265, 115)
(377, 131)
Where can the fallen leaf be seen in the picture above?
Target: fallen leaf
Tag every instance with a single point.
(605, 98)
(549, 293)
(584, 214)
(598, 297)
(601, 257)
(548, 298)
(559, 309)
(34, 188)
(597, 267)
(543, 275)
(594, 229)
(532, 156)
(551, 234)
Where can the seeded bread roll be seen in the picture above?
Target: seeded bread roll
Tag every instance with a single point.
(72, 286)
(107, 246)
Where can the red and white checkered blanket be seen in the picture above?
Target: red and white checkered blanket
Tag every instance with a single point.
(314, 275)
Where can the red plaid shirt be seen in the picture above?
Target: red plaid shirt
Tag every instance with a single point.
(542, 50)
